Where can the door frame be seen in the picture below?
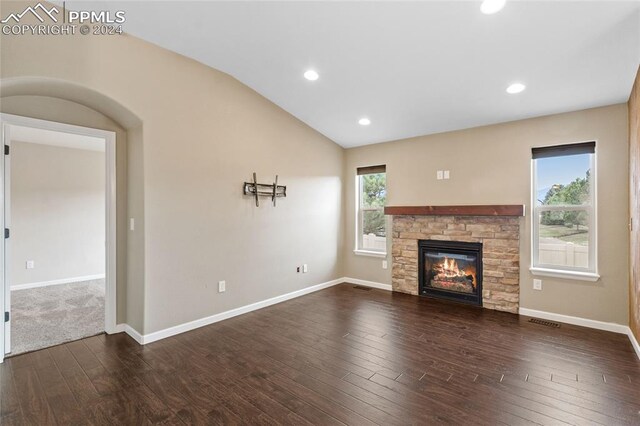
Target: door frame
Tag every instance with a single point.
(6, 121)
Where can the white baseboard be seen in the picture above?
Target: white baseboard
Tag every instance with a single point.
(599, 325)
(634, 342)
(143, 339)
(134, 334)
(365, 283)
(126, 328)
(57, 282)
(192, 325)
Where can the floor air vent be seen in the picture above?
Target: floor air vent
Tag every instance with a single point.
(359, 287)
(544, 322)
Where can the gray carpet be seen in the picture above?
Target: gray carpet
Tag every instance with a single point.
(47, 316)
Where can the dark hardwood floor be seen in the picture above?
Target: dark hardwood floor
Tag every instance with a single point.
(339, 356)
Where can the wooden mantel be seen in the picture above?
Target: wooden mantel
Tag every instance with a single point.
(478, 210)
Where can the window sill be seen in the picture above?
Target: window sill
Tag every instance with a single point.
(571, 275)
(370, 253)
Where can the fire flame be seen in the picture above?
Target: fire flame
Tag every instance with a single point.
(450, 269)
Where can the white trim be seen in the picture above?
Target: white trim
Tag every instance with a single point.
(5, 293)
(182, 328)
(172, 331)
(381, 254)
(57, 282)
(7, 242)
(359, 218)
(135, 335)
(584, 322)
(365, 283)
(570, 275)
(143, 339)
(634, 342)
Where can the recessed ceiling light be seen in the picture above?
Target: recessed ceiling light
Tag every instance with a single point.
(516, 88)
(311, 75)
(489, 7)
(364, 121)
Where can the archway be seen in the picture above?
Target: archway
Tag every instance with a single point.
(69, 103)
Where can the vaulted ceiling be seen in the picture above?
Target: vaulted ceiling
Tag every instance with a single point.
(412, 68)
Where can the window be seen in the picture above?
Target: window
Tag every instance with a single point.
(371, 230)
(564, 211)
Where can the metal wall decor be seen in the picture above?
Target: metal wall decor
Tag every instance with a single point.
(258, 190)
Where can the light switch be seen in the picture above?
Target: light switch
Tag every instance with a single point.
(30, 264)
(222, 286)
(305, 268)
(385, 265)
(132, 224)
(439, 174)
(446, 174)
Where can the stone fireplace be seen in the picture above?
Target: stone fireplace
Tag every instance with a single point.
(495, 230)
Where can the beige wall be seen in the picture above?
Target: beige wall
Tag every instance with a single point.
(634, 207)
(57, 213)
(135, 239)
(491, 165)
(201, 134)
(204, 133)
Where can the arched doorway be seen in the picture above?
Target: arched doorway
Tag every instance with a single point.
(50, 98)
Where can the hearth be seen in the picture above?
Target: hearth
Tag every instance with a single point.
(450, 270)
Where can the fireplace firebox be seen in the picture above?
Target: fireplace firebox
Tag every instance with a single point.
(450, 270)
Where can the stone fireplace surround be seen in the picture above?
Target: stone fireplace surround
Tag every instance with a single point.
(499, 235)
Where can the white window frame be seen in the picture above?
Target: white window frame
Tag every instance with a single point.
(360, 209)
(569, 272)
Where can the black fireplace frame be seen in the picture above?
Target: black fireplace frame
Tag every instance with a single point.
(457, 247)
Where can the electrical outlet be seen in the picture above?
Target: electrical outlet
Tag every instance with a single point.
(446, 174)
(537, 284)
(305, 268)
(222, 286)
(298, 269)
(385, 265)
(30, 264)
(439, 174)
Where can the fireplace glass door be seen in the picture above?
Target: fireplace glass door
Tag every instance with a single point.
(451, 270)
